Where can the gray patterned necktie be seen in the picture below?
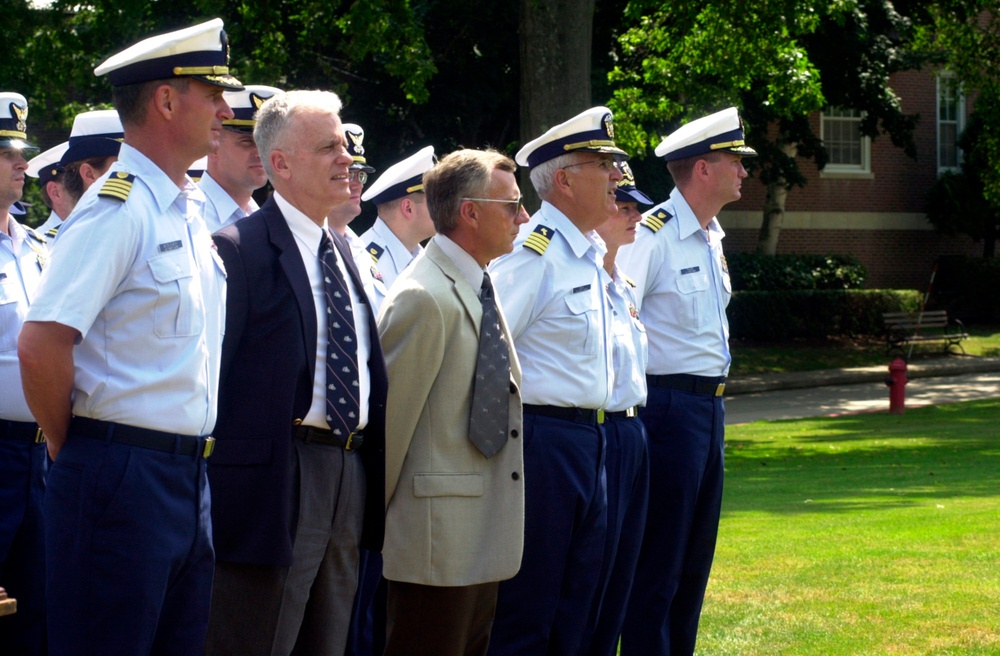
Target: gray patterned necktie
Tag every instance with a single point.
(488, 419)
(342, 386)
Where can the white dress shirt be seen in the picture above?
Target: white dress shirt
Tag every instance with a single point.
(307, 237)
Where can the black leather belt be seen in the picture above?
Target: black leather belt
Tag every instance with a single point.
(24, 431)
(623, 414)
(325, 436)
(582, 415)
(182, 445)
(708, 385)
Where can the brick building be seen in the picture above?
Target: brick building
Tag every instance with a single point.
(869, 200)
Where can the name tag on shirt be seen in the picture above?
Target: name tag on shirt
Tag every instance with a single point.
(694, 269)
(170, 246)
(581, 288)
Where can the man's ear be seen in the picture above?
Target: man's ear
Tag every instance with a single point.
(165, 101)
(89, 174)
(468, 213)
(406, 207)
(279, 163)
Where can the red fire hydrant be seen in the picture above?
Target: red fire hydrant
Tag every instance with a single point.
(896, 380)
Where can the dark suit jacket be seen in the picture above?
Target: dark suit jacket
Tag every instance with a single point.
(268, 362)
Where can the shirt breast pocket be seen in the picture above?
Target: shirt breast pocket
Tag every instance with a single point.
(695, 298)
(175, 314)
(583, 333)
(9, 319)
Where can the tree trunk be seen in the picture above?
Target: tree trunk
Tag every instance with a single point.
(556, 38)
(774, 216)
(774, 209)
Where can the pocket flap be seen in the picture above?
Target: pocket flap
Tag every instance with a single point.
(170, 267)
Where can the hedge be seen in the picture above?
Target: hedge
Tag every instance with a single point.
(753, 271)
(778, 315)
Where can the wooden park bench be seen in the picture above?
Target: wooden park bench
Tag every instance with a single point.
(908, 328)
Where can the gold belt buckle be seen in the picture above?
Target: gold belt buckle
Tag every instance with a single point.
(600, 415)
(350, 439)
(39, 436)
(209, 447)
(632, 412)
(720, 389)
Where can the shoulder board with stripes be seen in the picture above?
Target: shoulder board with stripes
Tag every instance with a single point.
(375, 251)
(539, 238)
(656, 220)
(118, 186)
(52, 232)
(35, 235)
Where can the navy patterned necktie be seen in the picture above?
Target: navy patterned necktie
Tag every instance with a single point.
(342, 406)
(490, 392)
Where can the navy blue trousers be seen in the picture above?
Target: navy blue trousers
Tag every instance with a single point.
(685, 500)
(22, 545)
(627, 469)
(128, 539)
(544, 609)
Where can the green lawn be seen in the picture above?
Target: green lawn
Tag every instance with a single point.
(809, 355)
(868, 534)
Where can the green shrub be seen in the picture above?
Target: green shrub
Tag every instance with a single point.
(755, 272)
(777, 315)
(969, 288)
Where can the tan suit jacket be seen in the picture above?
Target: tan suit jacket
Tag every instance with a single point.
(453, 517)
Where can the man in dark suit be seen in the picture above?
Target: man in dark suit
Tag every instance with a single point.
(298, 483)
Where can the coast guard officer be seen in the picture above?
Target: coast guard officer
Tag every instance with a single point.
(552, 290)
(120, 358)
(403, 218)
(235, 171)
(683, 289)
(45, 167)
(23, 255)
(626, 463)
(93, 145)
(347, 212)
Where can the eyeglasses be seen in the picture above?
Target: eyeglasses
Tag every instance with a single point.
(357, 175)
(519, 202)
(603, 164)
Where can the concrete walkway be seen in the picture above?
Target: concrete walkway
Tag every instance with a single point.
(844, 391)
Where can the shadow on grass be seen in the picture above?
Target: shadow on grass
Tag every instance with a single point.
(845, 464)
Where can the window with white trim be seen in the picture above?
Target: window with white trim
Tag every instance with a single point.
(848, 151)
(950, 122)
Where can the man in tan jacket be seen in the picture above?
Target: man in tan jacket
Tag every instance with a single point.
(454, 464)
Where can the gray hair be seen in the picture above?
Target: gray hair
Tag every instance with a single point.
(543, 174)
(462, 174)
(275, 115)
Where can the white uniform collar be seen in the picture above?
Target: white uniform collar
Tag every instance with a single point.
(224, 203)
(687, 222)
(165, 193)
(579, 242)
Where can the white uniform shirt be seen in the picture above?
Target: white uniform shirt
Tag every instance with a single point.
(22, 259)
(630, 349)
(142, 284)
(683, 289)
(558, 314)
(370, 275)
(394, 256)
(307, 237)
(221, 210)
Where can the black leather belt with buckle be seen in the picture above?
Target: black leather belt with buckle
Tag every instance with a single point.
(628, 413)
(711, 386)
(325, 436)
(147, 438)
(23, 431)
(582, 415)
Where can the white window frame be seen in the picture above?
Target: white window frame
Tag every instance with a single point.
(958, 121)
(862, 168)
